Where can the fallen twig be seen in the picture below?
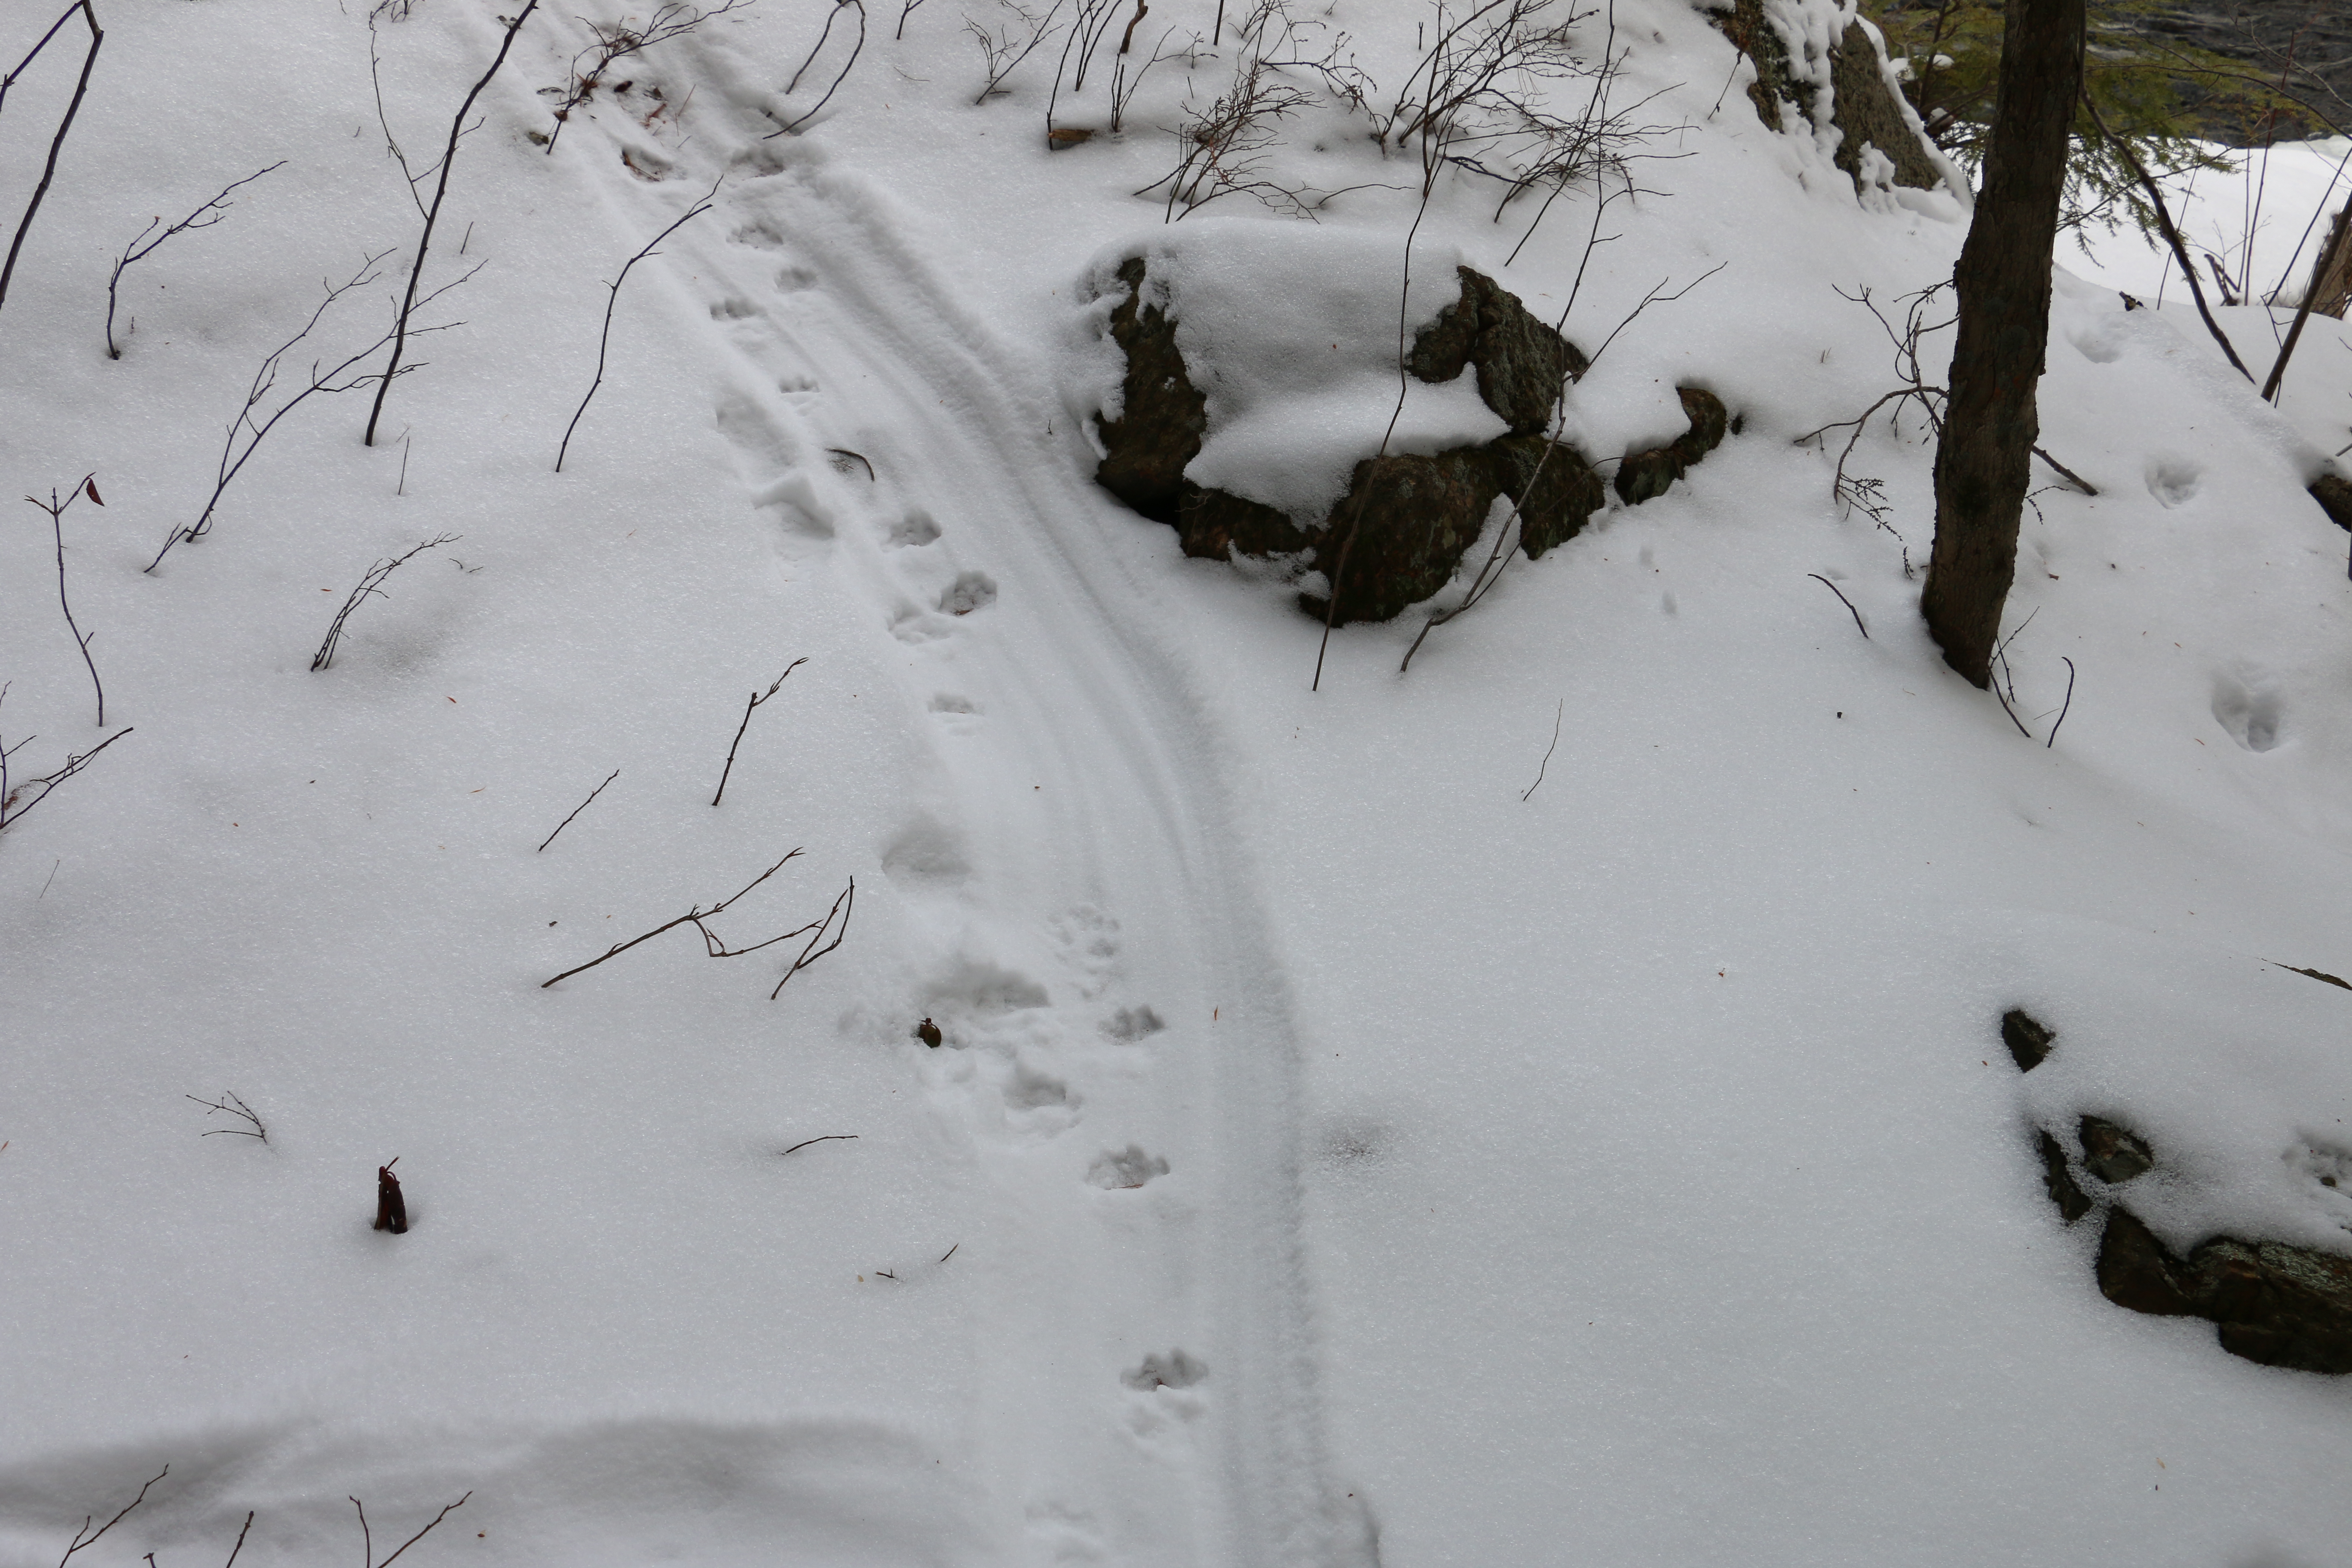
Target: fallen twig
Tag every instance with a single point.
(828, 1138)
(712, 945)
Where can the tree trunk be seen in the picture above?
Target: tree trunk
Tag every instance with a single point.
(2003, 287)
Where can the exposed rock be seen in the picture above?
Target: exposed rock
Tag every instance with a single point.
(1521, 361)
(1412, 517)
(1644, 476)
(1161, 427)
(2028, 1041)
(2112, 1154)
(1863, 106)
(2136, 1270)
(1405, 521)
(2064, 1191)
(2279, 1305)
(2334, 498)
(1556, 495)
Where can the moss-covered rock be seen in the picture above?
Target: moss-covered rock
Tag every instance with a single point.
(1521, 361)
(1399, 533)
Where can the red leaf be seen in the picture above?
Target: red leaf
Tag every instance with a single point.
(90, 484)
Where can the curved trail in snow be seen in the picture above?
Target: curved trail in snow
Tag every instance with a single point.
(1092, 774)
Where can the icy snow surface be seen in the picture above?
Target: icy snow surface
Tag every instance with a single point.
(1335, 1153)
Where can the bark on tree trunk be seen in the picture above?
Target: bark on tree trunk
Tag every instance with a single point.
(2003, 287)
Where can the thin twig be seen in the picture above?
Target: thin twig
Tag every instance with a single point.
(748, 708)
(371, 585)
(828, 1138)
(2171, 234)
(2069, 475)
(432, 215)
(1842, 600)
(240, 1541)
(1558, 714)
(842, 906)
(423, 1533)
(2064, 706)
(845, 66)
(695, 916)
(57, 511)
(79, 1542)
(50, 170)
(135, 252)
(234, 1107)
(604, 339)
(578, 809)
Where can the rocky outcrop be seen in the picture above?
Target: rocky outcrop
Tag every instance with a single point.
(2270, 1302)
(2334, 498)
(2028, 1042)
(2064, 1191)
(1161, 417)
(1862, 105)
(1644, 476)
(1398, 533)
(1520, 361)
(2114, 1155)
(2279, 1305)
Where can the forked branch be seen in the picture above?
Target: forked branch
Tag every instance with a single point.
(712, 945)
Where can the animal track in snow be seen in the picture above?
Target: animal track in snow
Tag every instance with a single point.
(2173, 480)
(914, 528)
(1030, 1089)
(760, 234)
(1174, 1370)
(795, 280)
(1129, 1024)
(2247, 703)
(925, 851)
(949, 702)
(1126, 1168)
(734, 309)
(970, 591)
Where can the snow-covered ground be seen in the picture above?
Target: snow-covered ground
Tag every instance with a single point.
(1337, 1151)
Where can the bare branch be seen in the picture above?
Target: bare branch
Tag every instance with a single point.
(217, 208)
(842, 906)
(432, 215)
(693, 917)
(79, 1541)
(604, 338)
(748, 708)
(231, 1104)
(56, 145)
(1842, 600)
(578, 809)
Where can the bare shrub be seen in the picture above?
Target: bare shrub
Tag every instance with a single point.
(371, 587)
(17, 798)
(205, 217)
(613, 42)
(1018, 32)
(255, 419)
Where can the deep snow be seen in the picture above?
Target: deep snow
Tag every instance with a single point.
(1628, 1173)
